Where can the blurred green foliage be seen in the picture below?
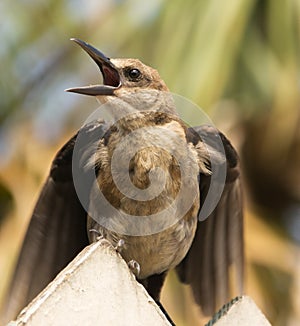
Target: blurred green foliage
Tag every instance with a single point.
(238, 60)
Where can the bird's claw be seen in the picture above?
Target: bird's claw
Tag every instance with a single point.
(99, 236)
(135, 267)
(120, 245)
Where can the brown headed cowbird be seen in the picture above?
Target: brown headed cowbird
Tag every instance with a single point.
(143, 181)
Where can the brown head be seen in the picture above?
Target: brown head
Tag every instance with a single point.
(119, 75)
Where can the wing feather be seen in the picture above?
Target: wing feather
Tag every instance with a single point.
(57, 229)
(214, 265)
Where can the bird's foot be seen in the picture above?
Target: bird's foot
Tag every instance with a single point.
(135, 267)
(120, 246)
(96, 234)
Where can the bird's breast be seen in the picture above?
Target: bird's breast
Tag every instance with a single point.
(143, 173)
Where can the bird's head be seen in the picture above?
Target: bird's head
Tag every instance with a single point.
(120, 76)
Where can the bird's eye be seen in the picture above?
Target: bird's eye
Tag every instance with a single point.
(134, 73)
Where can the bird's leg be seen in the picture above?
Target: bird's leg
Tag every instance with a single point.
(135, 267)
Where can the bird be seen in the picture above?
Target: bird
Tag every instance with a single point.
(141, 181)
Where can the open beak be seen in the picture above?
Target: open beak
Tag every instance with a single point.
(111, 76)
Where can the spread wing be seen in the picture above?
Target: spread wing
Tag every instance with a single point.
(214, 266)
(57, 230)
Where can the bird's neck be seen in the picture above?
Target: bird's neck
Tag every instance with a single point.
(130, 104)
